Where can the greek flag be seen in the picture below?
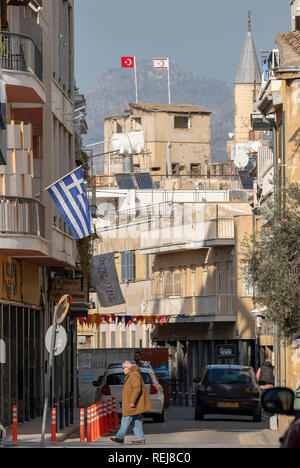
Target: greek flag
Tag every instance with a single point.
(69, 195)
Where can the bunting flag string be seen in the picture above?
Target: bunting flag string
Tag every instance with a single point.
(97, 319)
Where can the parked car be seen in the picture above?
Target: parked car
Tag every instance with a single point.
(228, 389)
(111, 384)
(281, 400)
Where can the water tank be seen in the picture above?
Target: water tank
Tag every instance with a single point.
(128, 143)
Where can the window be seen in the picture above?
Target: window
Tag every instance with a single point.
(137, 123)
(247, 289)
(181, 122)
(177, 168)
(113, 339)
(133, 339)
(128, 266)
(148, 266)
(205, 271)
(297, 23)
(173, 283)
(123, 339)
(195, 169)
(218, 278)
(103, 339)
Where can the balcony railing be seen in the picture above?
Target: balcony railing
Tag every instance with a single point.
(203, 306)
(19, 52)
(22, 216)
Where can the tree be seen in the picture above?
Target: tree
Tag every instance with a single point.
(272, 264)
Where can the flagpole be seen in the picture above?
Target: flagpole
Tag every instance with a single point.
(169, 85)
(135, 80)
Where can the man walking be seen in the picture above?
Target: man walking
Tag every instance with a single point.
(135, 401)
(265, 375)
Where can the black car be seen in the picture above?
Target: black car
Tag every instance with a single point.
(228, 389)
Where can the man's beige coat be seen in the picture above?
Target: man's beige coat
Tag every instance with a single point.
(134, 391)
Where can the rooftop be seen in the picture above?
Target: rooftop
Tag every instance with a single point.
(173, 108)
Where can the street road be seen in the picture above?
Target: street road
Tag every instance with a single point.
(180, 430)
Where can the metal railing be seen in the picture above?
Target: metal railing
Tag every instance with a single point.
(22, 216)
(201, 181)
(201, 306)
(19, 52)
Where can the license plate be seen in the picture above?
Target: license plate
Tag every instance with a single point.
(120, 404)
(225, 404)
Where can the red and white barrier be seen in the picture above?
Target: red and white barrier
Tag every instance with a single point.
(53, 425)
(15, 423)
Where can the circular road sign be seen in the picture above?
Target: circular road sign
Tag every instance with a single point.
(60, 339)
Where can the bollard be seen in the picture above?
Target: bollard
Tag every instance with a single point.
(193, 400)
(105, 418)
(81, 424)
(53, 425)
(180, 398)
(98, 420)
(93, 422)
(15, 423)
(88, 431)
(174, 398)
(101, 423)
(116, 424)
(109, 410)
(186, 399)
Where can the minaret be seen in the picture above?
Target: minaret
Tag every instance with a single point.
(246, 86)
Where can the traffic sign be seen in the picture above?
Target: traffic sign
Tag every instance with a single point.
(60, 339)
(62, 308)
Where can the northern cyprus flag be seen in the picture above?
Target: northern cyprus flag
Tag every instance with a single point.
(161, 63)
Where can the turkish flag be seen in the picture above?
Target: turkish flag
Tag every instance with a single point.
(127, 62)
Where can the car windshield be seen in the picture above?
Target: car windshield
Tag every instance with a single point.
(118, 379)
(229, 376)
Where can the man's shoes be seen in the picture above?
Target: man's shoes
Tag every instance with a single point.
(119, 441)
(138, 441)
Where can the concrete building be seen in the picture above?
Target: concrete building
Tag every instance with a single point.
(177, 139)
(37, 143)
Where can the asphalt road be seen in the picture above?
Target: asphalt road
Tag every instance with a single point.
(180, 430)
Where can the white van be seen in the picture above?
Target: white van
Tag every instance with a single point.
(111, 385)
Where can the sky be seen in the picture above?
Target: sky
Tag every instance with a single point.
(205, 36)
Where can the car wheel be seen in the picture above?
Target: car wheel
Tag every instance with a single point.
(159, 418)
(199, 416)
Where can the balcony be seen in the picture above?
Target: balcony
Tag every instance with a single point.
(201, 308)
(22, 227)
(22, 65)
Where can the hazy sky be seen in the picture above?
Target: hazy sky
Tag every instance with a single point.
(206, 36)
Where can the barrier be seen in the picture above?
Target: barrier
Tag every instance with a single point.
(100, 420)
(15, 423)
(109, 410)
(106, 431)
(53, 425)
(88, 431)
(82, 438)
(116, 424)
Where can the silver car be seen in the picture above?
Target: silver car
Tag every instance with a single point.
(111, 385)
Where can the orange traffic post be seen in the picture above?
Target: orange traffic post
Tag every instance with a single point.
(53, 425)
(88, 416)
(105, 418)
(82, 425)
(98, 420)
(115, 414)
(101, 419)
(15, 423)
(109, 410)
(93, 422)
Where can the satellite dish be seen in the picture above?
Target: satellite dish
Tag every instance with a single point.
(241, 160)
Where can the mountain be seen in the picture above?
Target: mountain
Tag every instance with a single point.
(113, 91)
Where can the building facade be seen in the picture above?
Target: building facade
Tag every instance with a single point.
(37, 144)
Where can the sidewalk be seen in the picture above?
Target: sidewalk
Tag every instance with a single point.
(30, 431)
